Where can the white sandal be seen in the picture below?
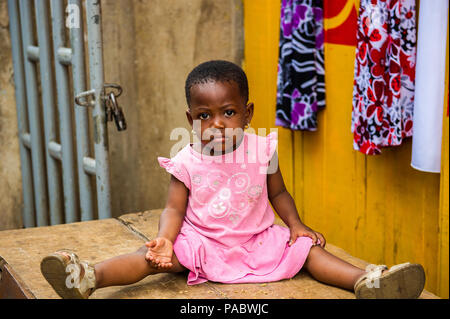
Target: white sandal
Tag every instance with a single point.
(403, 281)
(69, 277)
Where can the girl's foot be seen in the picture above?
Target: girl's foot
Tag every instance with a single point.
(70, 278)
(404, 281)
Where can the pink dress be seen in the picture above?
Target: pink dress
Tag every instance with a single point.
(228, 233)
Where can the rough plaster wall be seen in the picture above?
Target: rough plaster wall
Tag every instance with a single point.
(149, 48)
(10, 176)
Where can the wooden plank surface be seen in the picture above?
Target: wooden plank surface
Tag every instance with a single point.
(302, 286)
(97, 240)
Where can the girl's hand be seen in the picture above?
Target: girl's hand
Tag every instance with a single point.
(159, 253)
(301, 230)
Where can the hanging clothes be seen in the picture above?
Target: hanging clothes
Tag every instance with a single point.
(301, 76)
(430, 86)
(383, 92)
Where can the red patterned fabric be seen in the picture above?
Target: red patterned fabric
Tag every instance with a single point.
(383, 93)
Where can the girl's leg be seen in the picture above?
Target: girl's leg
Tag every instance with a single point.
(332, 270)
(128, 269)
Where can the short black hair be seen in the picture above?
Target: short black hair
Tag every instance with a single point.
(218, 71)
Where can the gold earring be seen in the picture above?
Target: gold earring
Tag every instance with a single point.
(247, 126)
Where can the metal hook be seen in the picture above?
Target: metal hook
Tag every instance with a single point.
(85, 95)
(114, 86)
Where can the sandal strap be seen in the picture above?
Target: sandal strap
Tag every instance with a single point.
(376, 272)
(87, 282)
(73, 258)
(373, 272)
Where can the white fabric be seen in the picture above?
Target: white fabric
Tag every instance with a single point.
(429, 86)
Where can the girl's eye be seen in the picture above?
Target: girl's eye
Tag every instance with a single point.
(229, 112)
(203, 116)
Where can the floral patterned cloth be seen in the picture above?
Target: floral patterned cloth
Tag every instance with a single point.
(383, 93)
(301, 76)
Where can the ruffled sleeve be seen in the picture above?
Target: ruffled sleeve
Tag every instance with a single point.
(176, 169)
(267, 146)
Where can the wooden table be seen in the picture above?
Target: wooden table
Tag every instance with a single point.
(22, 250)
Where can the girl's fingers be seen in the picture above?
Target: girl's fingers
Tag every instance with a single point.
(322, 240)
(149, 256)
(155, 243)
(156, 262)
(319, 239)
(292, 240)
(162, 265)
(312, 236)
(315, 238)
(151, 243)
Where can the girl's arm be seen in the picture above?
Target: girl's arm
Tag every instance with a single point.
(160, 249)
(284, 205)
(172, 217)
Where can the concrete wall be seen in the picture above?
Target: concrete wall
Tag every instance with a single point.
(149, 48)
(10, 177)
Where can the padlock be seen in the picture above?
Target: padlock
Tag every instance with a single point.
(119, 118)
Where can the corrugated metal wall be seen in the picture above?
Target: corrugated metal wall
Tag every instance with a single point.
(378, 208)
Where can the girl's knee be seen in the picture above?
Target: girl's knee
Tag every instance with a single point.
(315, 249)
(313, 252)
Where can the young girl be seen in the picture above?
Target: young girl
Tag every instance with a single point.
(218, 222)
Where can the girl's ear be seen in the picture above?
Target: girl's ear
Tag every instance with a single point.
(249, 112)
(189, 116)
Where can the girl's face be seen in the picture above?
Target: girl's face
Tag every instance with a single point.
(218, 106)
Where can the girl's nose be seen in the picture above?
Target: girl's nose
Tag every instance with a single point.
(218, 123)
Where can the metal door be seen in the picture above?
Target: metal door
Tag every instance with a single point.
(53, 110)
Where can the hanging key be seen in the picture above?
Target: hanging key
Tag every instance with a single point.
(108, 110)
(113, 110)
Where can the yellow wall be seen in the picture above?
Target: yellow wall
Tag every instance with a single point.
(444, 204)
(377, 208)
